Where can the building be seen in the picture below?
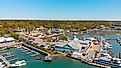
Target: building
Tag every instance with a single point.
(57, 31)
(69, 47)
(8, 39)
(76, 45)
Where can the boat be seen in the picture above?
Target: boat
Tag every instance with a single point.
(107, 45)
(19, 63)
(107, 60)
(48, 58)
(2, 65)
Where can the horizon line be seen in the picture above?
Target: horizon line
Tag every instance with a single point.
(61, 19)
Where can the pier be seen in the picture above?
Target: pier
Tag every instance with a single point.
(4, 60)
(13, 59)
(29, 52)
(9, 56)
(35, 54)
(48, 56)
(3, 51)
(25, 50)
(36, 49)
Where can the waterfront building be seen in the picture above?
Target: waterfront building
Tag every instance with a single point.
(76, 45)
(73, 45)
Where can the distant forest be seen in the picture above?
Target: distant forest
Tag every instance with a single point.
(8, 26)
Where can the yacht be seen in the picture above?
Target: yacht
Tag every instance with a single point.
(107, 60)
(19, 63)
(107, 44)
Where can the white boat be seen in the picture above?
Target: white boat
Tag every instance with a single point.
(1, 65)
(19, 63)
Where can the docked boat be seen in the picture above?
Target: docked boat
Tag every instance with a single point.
(19, 63)
(2, 65)
(106, 45)
(107, 60)
(48, 58)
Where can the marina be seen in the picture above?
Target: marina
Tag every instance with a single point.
(9, 56)
(33, 55)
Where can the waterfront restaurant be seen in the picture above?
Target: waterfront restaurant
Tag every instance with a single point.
(76, 45)
(70, 47)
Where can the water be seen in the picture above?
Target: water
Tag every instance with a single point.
(60, 62)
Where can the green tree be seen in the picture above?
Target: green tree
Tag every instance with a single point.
(16, 36)
(63, 37)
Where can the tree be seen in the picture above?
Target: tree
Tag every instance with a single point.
(16, 36)
(63, 37)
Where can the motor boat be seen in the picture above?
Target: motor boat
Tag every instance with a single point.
(19, 63)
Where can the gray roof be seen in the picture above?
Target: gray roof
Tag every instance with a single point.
(75, 44)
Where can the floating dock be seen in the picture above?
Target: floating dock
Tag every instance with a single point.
(35, 54)
(29, 52)
(13, 59)
(9, 56)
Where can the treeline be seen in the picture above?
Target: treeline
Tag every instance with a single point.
(8, 25)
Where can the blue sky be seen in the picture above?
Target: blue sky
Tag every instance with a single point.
(61, 9)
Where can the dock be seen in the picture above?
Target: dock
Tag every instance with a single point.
(36, 49)
(13, 59)
(4, 60)
(25, 50)
(35, 54)
(29, 52)
(3, 51)
(9, 56)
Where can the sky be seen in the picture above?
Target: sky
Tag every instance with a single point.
(61, 9)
